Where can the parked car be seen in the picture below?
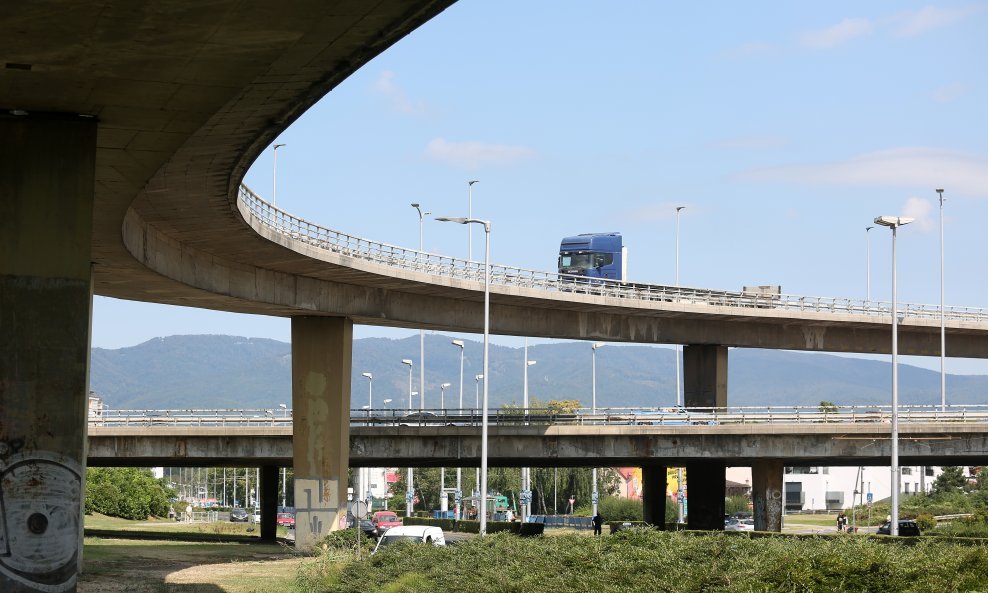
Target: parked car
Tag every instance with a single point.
(286, 520)
(238, 515)
(735, 524)
(366, 526)
(419, 534)
(907, 527)
(257, 516)
(384, 520)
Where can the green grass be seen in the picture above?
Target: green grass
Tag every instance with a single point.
(646, 560)
(199, 567)
(179, 528)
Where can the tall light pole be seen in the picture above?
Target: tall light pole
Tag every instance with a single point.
(594, 495)
(477, 379)
(470, 215)
(410, 490)
(422, 216)
(442, 470)
(868, 263)
(487, 332)
(364, 472)
(943, 327)
(274, 175)
(894, 222)
(526, 481)
(284, 482)
(459, 470)
(679, 395)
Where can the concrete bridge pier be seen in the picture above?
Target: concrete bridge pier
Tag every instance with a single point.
(321, 362)
(654, 494)
(269, 502)
(47, 166)
(766, 494)
(705, 386)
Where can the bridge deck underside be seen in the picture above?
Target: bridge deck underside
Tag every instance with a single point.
(926, 444)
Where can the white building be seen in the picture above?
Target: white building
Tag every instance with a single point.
(819, 488)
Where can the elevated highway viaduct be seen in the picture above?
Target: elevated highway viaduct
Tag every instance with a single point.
(125, 131)
(766, 448)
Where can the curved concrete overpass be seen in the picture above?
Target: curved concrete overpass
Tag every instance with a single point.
(183, 111)
(125, 131)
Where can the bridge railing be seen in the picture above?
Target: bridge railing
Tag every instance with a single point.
(666, 416)
(298, 229)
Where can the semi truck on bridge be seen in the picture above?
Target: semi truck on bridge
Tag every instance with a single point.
(604, 256)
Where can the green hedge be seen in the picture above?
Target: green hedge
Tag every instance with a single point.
(468, 526)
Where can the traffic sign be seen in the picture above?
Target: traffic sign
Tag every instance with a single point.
(359, 509)
(871, 498)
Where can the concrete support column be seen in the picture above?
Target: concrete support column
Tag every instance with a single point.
(47, 169)
(766, 494)
(269, 501)
(654, 495)
(706, 484)
(705, 376)
(321, 361)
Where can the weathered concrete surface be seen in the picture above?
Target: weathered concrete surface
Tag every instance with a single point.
(706, 484)
(269, 502)
(767, 493)
(562, 446)
(654, 485)
(705, 376)
(46, 201)
(321, 364)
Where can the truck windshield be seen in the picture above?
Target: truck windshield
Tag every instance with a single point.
(584, 260)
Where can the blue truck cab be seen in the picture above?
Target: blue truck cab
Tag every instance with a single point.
(594, 255)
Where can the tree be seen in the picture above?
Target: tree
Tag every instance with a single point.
(950, 480)
(828, 407)
(125, 492)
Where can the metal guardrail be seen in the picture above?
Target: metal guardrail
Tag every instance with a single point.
(669, 416)
(298, 229)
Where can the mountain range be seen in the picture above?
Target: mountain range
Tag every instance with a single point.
(229, 372)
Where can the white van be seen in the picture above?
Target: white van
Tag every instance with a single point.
(420, 534)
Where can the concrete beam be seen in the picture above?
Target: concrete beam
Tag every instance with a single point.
(705, 376)
(947, 443)
(269, 502)
(706, 484)
(654, 488)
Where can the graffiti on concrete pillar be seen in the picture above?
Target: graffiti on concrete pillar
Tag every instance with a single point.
(40, 508)
(317, 507)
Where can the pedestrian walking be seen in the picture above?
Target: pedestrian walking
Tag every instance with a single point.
(597, 522)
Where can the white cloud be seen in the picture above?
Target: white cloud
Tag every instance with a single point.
(839, 34)
(919, 209)
(916, 22)
(900, 167)
(949, 93)
(385, 84)
(471, 155)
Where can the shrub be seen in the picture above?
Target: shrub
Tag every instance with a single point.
(926, 522)
(125, 492)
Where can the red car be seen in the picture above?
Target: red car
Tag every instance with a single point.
(286, 520)
(384, 520)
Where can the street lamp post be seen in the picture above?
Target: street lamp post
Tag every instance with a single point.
(364, 472)
(594, 495)
(526, 479)
(422, 216)
(894, 222)
(477, 379)
(442, 470)
(274, 175)
(868, 263)
(679, 392)
(459, 470)
(943, 327)
(409, 491)
(470, 215)
(487, 331)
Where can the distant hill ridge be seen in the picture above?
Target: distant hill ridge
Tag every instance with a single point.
(213, 371)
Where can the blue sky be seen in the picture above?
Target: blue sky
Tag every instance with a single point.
(784, 128)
